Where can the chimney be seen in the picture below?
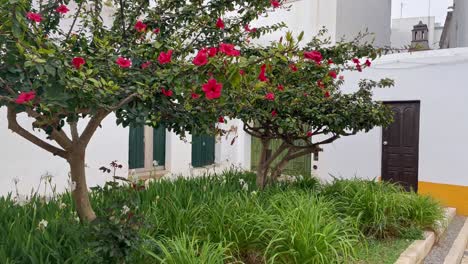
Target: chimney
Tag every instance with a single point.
(420, 37)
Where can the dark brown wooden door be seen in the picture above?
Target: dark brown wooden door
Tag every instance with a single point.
(400, 146)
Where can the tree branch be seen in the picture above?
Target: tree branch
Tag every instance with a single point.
(93, 124)
(16, 128)
(125, 101)
(74, 131)
(74, 19)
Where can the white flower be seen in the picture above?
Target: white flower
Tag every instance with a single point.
(157, 198)
(155, 163)
(245, 187)
(241, 181)
(125, 209)
(77, 219)
(42, 225)
(62, 205)
(253, 193)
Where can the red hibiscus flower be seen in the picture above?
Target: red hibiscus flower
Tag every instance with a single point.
(368, 63)
(293, 67)
(165, 57)
(195, 96)
(241, 72)
(356, 60)
(145, 64)
(78, 62)
(123, 62)
(220, 23)
(25, 97)
(280, 87)
(330, 61)
(212, 89)
(332, 74)
(320, 84)
(274, 113)
(34, 17)
(327, 94)
(270, 96)
(359, 68)
(314, 55)
(212, 52)
(229, 50)
(275, 3)
(221, 119)
(140, 26)
(248, 29)
(156, 31)
(262, 76)
(62, 9)
(201, 58)
(309, 134)
(167, 93)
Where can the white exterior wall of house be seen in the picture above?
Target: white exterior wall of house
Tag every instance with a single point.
(357, 16)
(22, 160)
(435, 78)
(460, 23)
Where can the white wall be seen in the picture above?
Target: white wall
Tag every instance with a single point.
(436, 79)
(460, 23)
(23, 160)
(305, 15)
(357, 15)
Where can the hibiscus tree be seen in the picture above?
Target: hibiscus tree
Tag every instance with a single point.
(293, 94)
(141, 67)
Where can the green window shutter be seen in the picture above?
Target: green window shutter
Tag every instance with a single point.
(300, 166)
(203, 150)
(136, 148)
(159, 145)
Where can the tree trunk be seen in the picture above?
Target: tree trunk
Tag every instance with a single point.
(262, 169)
(80, 189)
(278, 170)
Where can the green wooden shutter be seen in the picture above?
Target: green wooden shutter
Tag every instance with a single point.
(300, 166)
(159, 145)
(136, 148)
(203, 150)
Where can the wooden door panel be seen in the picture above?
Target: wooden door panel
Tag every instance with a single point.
(400, 146)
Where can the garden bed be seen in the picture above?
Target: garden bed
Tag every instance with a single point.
(221, 219)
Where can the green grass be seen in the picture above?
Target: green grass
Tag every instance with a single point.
(219, 219)
(382, 251)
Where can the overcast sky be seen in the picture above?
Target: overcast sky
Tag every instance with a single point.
(414, 8)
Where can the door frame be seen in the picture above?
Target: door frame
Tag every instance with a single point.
(418, 122)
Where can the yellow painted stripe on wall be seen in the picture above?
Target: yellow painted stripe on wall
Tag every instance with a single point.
(449, 195)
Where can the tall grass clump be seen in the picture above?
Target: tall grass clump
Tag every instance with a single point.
(382, 209)
(308, 231)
